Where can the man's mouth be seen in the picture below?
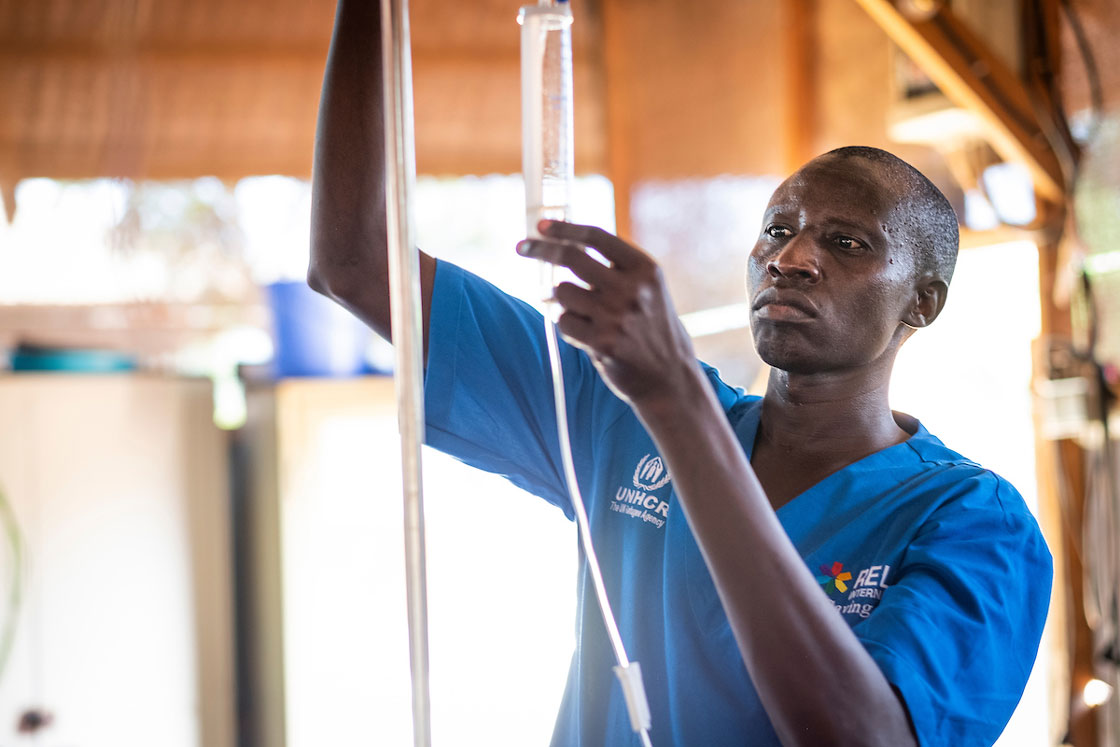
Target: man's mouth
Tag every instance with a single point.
(783, 306)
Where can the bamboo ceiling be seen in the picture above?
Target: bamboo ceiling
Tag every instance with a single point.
(180, 88)
(177, 88)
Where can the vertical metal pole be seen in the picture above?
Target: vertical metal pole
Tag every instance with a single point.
(404, 280)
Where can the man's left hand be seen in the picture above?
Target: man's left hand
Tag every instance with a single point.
(624, 318)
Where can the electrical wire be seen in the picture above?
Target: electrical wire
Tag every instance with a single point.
(1100, 529)
(1043, 96)
(1092, 72)
(1101, 493)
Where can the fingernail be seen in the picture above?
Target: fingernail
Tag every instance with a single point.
(544, 224)
(522, 247)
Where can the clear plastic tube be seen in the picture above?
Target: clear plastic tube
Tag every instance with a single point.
(548, 166)
(547, 150)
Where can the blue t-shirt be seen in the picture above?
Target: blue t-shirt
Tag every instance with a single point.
(935, 562)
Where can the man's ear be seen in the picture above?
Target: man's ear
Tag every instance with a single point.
(927, 303)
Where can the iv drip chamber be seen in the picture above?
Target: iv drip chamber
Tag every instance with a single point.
(546, 112)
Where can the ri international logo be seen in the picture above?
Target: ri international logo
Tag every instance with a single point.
(834, 578)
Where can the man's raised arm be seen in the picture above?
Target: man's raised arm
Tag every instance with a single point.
(348, 236)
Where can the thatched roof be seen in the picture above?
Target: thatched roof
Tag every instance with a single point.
(179, 88)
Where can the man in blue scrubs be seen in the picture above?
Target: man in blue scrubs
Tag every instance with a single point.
(807, 568)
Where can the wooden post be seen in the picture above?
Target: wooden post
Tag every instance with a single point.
(617, 78)
(800, 59)
(1062, 492)
(8, 197)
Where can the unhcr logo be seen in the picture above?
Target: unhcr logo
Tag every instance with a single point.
(651, 473)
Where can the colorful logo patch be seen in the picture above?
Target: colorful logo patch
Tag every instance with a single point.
(834, 578)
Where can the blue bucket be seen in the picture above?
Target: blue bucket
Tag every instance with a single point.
(314, 336)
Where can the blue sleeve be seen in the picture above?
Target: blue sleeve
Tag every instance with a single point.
(958, 630)
(488, 387)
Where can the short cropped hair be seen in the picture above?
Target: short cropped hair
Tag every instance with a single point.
(928, 220)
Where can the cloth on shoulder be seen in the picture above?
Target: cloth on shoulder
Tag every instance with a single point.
(935, 562)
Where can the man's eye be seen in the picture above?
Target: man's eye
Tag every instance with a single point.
(778, 232)
(847, 243)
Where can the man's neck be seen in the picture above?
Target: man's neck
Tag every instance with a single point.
(845, 413)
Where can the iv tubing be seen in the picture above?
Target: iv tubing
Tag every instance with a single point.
(576, 499)
(547, 165)
(404, 296)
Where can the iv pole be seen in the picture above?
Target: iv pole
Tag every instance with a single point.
(404, 297)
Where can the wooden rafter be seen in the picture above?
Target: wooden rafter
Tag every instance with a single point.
(969, 74)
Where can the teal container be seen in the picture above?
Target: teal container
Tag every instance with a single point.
(33, 358)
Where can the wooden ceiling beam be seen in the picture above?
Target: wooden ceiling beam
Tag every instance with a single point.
(970, 75)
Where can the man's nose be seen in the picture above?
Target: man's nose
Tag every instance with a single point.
(796, 260)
